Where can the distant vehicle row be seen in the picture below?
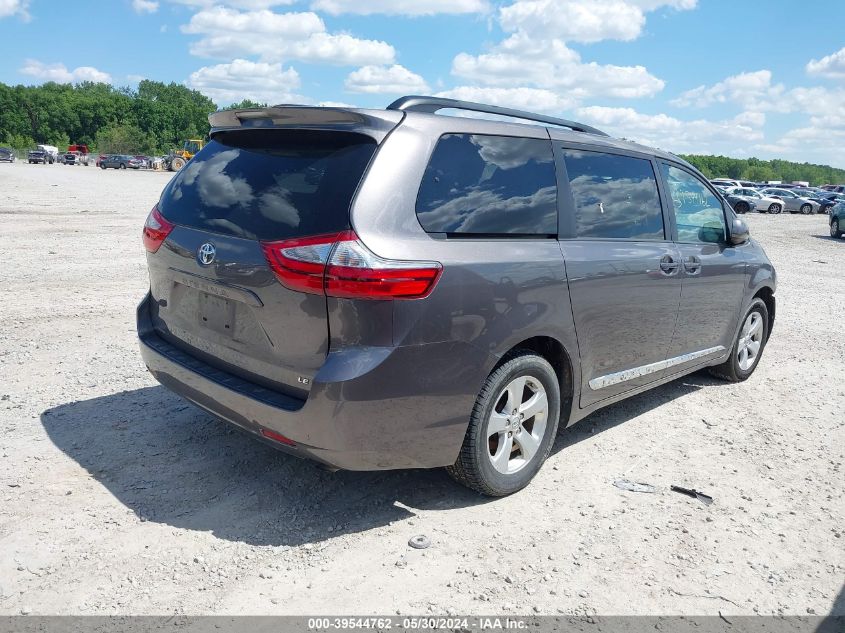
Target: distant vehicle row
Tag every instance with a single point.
(768, 199)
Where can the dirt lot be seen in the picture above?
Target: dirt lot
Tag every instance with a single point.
(118, 497)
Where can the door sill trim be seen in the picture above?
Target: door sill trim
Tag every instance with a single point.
(601, 382)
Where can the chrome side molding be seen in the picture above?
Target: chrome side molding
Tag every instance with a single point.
(609, 380)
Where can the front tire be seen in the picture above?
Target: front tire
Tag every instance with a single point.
(748, 347)
(512, 427)
(774, 208)
(806, 209)
(741, 207)
(835, 230)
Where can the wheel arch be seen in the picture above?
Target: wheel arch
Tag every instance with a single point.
(559, 358)
(767, 294)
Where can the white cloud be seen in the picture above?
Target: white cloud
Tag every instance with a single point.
(242, 79)
(755, 91)
(583, 20)
(135, 78)
(832, 65)
(536, 54)
(551, 65)
(144, 6)
(60, 74)
(227, 33)
(394, 7)
(394, 79)
(250, 5)
(826, 144)
(746, 89)
(334, 104)
(15, 7)
(736, 136)
(535, 99)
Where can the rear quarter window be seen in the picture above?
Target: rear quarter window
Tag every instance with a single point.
(270, 184)
(489, 185)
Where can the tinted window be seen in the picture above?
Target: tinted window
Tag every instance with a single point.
(698, 213)
(489, 185)
(615, 196)
(270, 184)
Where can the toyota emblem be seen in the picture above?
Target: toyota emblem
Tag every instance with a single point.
(206, 253)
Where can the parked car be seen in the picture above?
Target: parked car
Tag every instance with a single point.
(7, 155)
(76, 155)
(831, 200)
(35, 156)
(792, 201)
(52, 151)
(837, 220)
(431, 294)
(121, 161)
(725, 182)
(740, 203)
(817, 195)
(764, 203)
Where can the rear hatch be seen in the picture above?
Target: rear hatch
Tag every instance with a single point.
(214, 294)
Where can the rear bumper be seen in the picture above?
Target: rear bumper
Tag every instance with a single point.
(370, 408)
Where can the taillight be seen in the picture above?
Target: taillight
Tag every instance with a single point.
(339, 265)
(301, 264)
(156, 230)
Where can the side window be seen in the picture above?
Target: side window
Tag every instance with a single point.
(698, 213)
(489, 185)
(615, 196)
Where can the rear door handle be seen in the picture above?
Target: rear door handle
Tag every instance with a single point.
(692, 265)
(668, 265)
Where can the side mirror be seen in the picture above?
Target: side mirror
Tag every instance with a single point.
(739, 232)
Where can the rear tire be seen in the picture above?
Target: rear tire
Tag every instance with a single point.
(742, 207)
(123, 165)
(835, 230)
(748, 347)
(503, 450)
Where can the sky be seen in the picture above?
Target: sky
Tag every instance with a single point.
(740, 78)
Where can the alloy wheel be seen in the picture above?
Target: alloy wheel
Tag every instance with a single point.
(750, 341)
(517, 424)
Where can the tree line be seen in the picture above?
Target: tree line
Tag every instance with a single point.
(151, 119)
(156, 117)
(758, 170)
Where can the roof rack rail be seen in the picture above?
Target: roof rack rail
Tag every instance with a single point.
(417, 103)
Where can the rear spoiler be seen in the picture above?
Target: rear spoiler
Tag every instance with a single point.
(375, 123)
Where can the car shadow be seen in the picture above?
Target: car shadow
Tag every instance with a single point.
(615, 414)
(834, 622)
(172, 463)
(828, 238)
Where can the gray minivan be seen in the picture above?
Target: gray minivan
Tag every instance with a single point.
(398, 288)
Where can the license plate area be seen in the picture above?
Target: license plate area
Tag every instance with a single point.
(216, 313)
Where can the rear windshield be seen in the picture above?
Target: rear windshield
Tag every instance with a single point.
(270, 184)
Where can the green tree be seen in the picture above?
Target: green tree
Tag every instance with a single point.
(124, 139)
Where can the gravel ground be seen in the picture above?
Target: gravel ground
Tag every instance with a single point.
(118, 497)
